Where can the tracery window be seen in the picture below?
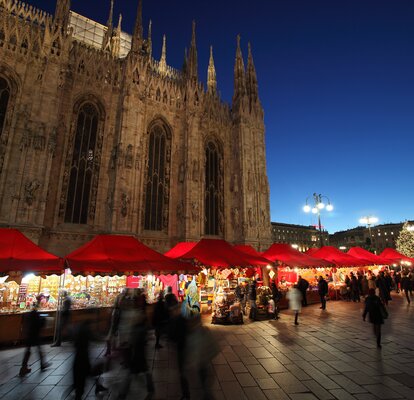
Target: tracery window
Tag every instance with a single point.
(213, 205)
(157, 179)
(4, 101)
(82, 168)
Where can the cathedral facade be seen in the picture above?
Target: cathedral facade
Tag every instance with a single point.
(96, 136)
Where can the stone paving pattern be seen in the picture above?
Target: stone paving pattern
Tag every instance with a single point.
(331, 355)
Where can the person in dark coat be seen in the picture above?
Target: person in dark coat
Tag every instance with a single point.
(170, 299)
(405, 286)
(383, 288)
(397, 281)
(159, 319)
(322, 291)
(252, 300)
(303, 285)
(276, 298)
(375, 308)
(33, 325)
(354, 288)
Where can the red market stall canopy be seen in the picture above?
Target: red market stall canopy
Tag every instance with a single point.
(395, 257)
(337, 257)
(18, 253)
(363, 254)
(219, 253)
(246, 248)
(286, 254)
(179, 249)
(115, 253)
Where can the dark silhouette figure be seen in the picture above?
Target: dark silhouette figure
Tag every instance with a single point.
(170, 298)
(33, 324)
(64, 319)
(303, 285)
(322, 291)
(252, 300)
(159, 319)
(405, 287)
(276, 298)
(397, 281)
(376, 310)
(382, 286)
(354, 288)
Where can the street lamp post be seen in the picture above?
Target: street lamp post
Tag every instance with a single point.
(368, 221)
(318, 206)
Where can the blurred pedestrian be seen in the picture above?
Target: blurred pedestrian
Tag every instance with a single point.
(377, 311)
(252, 300)
(276, 295)
(397, 281)
(405, 287)
(294, 296)
(364, 286)
(33, 323)
(63, 324)
(115, 318)
(354, 289)
(170, 298)
(323, 291)
(303, 286)
(159, 319)
(383, 288)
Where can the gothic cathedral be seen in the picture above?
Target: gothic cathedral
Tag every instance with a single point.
(96, 136)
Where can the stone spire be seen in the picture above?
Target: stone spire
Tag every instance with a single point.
(239, 74)
(116, 39)
(149, 40)
(185, 62)
(138, 31)
(211, 75)
(62, 13)
(163, 60)
(109, 32)
(192, 56)
(251, 78)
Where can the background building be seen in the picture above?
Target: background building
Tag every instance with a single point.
(382, 236)
(302, 236)
(97, 136)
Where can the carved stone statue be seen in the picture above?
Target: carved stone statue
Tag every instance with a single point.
(196, 170)
(129, 157)
(194, 211)
(124, 204)
(180, 211)
(181, 173)
(236, 217)
(30, 189)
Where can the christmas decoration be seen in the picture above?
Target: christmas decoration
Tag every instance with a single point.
(405, 241)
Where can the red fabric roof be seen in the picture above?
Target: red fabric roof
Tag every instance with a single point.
(332, 254)
(109, 253)
(311, 251)
(361, 253)
(395, 256)
(219, 253)
(179, 249)
(286, 254)
(246, 248)
(18, 253)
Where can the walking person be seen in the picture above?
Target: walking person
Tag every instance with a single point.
(376, 310)
(64, 321)
(276, 298)
(397, 281)
(33, 325)
(252, 300)
(364, 286)
(303, 285)
(294, 297)
(159, 319)
(405, 287)
(382, 288)
(322, 291)
(170, 298)
(354, 289)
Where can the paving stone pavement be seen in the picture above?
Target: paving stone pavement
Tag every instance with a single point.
(331, 355)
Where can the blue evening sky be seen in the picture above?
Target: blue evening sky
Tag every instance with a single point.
(336, 79)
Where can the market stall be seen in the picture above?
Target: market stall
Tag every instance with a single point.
(292, 264)
(26, 270)
(223, 268)
(396, 258)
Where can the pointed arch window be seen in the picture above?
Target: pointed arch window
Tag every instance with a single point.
(83, 165)
(4, 102)
(157, 179)
(213, 205)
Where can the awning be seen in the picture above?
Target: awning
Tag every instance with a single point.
(18, 253)
(179, 249)
(363, 254)
(395, 257)
(219, 253)
(337, 257)
(286, 254)
(116, 253)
